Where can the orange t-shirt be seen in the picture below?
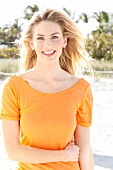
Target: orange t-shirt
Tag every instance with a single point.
(47, 121)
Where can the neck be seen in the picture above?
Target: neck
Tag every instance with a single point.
(47, 72)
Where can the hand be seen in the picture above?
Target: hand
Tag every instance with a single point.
(71, 152)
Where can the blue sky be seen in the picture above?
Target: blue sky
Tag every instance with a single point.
(10, 10)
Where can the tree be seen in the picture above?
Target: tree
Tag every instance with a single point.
(9, 33)
(101, 17)
(83, 17)
(100, 44)
(72, 15)
(29, 11)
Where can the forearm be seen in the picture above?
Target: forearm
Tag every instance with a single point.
(86, 159)
(33, 155)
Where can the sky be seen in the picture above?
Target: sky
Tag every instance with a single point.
(12, 9)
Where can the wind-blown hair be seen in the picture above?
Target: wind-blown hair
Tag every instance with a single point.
(74, 56)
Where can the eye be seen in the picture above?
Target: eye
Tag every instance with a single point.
(40, 38)
(54, 37)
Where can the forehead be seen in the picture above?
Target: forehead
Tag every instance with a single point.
(47, 27)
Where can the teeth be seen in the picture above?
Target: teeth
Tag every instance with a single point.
(48, 52)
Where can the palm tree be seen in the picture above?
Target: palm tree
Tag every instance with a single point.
(9, 33)
(101, 17)
(83, 17)
(29, 11)
(72, 15)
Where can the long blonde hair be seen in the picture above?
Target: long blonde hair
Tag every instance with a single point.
(74, 56)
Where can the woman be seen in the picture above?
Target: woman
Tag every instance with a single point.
(47, 110)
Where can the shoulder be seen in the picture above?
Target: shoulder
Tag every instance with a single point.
(86, 90)
(77, 80)
(82, 82)
(27, 75)
(10, 82)
(71, 79)
(83, 86)
(86, 82)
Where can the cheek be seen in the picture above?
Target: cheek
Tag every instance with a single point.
(59, 46)
(37, 46)
(58, 43)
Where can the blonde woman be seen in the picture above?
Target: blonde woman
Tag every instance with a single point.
(47, 110)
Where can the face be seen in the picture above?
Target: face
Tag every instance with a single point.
(48, 41)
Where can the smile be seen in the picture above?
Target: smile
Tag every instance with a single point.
(49, 52)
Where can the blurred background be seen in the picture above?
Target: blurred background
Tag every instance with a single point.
(94, 18)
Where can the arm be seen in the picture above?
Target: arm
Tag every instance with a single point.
(21, 153)
(82, 139)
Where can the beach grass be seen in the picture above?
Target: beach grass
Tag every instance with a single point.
(101, 68)
(8, 66)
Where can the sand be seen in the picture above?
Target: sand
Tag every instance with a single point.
(101, 129)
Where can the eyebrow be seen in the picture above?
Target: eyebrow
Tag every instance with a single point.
(50, 35)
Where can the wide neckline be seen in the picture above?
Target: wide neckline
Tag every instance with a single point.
(55, 93)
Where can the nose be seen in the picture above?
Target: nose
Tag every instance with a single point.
(48, 43)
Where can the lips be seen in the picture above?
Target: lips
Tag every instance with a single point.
(48, 53)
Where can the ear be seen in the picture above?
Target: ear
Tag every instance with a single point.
(32, 46)
(65, 42)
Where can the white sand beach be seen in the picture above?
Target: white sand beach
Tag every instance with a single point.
(101, 129)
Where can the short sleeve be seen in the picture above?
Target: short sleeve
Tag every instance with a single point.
(84, 114)
(8, 101)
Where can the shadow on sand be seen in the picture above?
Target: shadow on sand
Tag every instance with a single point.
(103, 161)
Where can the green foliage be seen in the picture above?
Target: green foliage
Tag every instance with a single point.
(29, 11)
(101, 17)
(84, 17)
(99, 44)
(9, 33)
(10, 52)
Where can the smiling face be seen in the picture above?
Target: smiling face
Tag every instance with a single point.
(48, 41)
